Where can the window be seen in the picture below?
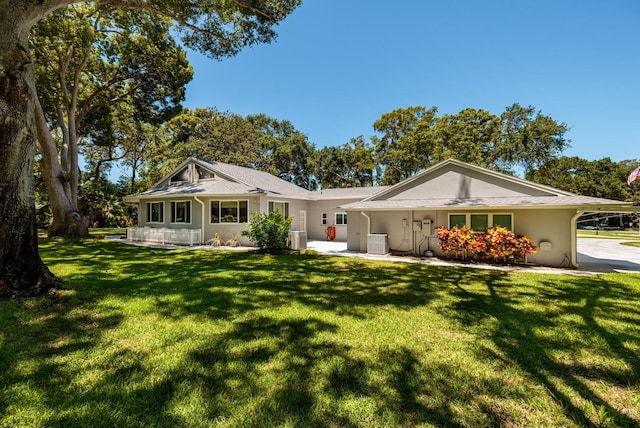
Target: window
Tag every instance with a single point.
(281, 207)
(181, 212)
(204, 174)
(458, 220)
(480, 222)
(181, 177)
(324, 218)
(155, 212)
(503, 220)
(341, 218)
(229, 211)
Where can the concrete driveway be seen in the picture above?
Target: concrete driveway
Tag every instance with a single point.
(607, 255)
(594, 255)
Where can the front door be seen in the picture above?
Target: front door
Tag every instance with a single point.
(303, 221)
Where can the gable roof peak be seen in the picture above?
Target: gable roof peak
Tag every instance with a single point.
(449, 162)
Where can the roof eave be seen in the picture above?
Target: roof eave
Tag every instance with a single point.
(583, 207)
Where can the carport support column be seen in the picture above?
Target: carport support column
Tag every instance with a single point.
(574, 238)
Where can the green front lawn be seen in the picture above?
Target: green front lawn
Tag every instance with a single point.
(613, 234)
(146, 337)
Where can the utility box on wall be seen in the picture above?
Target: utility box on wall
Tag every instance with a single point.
(427, 227)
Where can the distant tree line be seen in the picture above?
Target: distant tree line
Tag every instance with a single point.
(406, 141)
(110, 84)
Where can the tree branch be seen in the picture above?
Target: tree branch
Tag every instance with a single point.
(258, 11)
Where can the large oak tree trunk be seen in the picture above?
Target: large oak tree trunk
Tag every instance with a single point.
(66, 220)
(22, 272)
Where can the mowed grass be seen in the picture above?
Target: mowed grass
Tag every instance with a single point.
(610, 234)
(145, 337)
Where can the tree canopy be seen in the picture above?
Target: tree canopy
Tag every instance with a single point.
(219, 29)
(413, 138)
(600, 178)
(100, 74)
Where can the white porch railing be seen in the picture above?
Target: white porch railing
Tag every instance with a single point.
(165, 236)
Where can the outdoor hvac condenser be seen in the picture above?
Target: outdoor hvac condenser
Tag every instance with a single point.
(297, 239)
(377, 243)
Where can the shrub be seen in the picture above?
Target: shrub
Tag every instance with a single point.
(497, 244)
(269, 232)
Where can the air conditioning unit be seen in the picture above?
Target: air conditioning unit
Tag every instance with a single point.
(377, 243)
(297, 239)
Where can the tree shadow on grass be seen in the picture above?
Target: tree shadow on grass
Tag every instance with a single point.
(532, 337)
(319, 381)
(262, 370)
(224, 284)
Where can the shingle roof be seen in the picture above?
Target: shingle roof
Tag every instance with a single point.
(517, 201)
(348, 192)
(258, 179)
(203, 187)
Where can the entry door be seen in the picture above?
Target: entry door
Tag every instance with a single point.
(303, 221)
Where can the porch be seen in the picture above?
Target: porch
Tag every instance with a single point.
(162, 235)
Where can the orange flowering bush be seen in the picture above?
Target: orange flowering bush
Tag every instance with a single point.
(497, 244)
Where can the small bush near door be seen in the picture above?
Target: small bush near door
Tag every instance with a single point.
(269, 232)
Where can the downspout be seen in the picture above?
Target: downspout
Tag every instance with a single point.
(368, 223)
(201, 220)
(574, 238)
(368, 232)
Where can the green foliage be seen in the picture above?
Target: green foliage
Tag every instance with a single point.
(101, 201)
(269, 231)
(497, 244)
(601, 178)
(284, 151)
(404, 142)
(126, 63)
(349, 165)
(255, 141)
(414, 138)
(529, 138)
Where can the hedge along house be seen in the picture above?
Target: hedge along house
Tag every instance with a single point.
(200, 199)
(454, 193)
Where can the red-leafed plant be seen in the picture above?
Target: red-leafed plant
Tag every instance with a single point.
(497, 244)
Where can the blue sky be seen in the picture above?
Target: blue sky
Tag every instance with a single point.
(338, 65)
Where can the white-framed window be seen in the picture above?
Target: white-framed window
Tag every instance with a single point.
(324, 219)
(279, 206)
(341, 219)
(204, 174)
(155, 212)
(181, 212)
(182, 176)
(479, 222)
(228, 211)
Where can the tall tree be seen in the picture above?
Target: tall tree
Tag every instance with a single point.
(256, 141)
(98, 68)
(349, 165)
(210, 134)
(284, 151)
(220, 29)
(404, 142)
(600, 178)
(470, 136)
(529, 139)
